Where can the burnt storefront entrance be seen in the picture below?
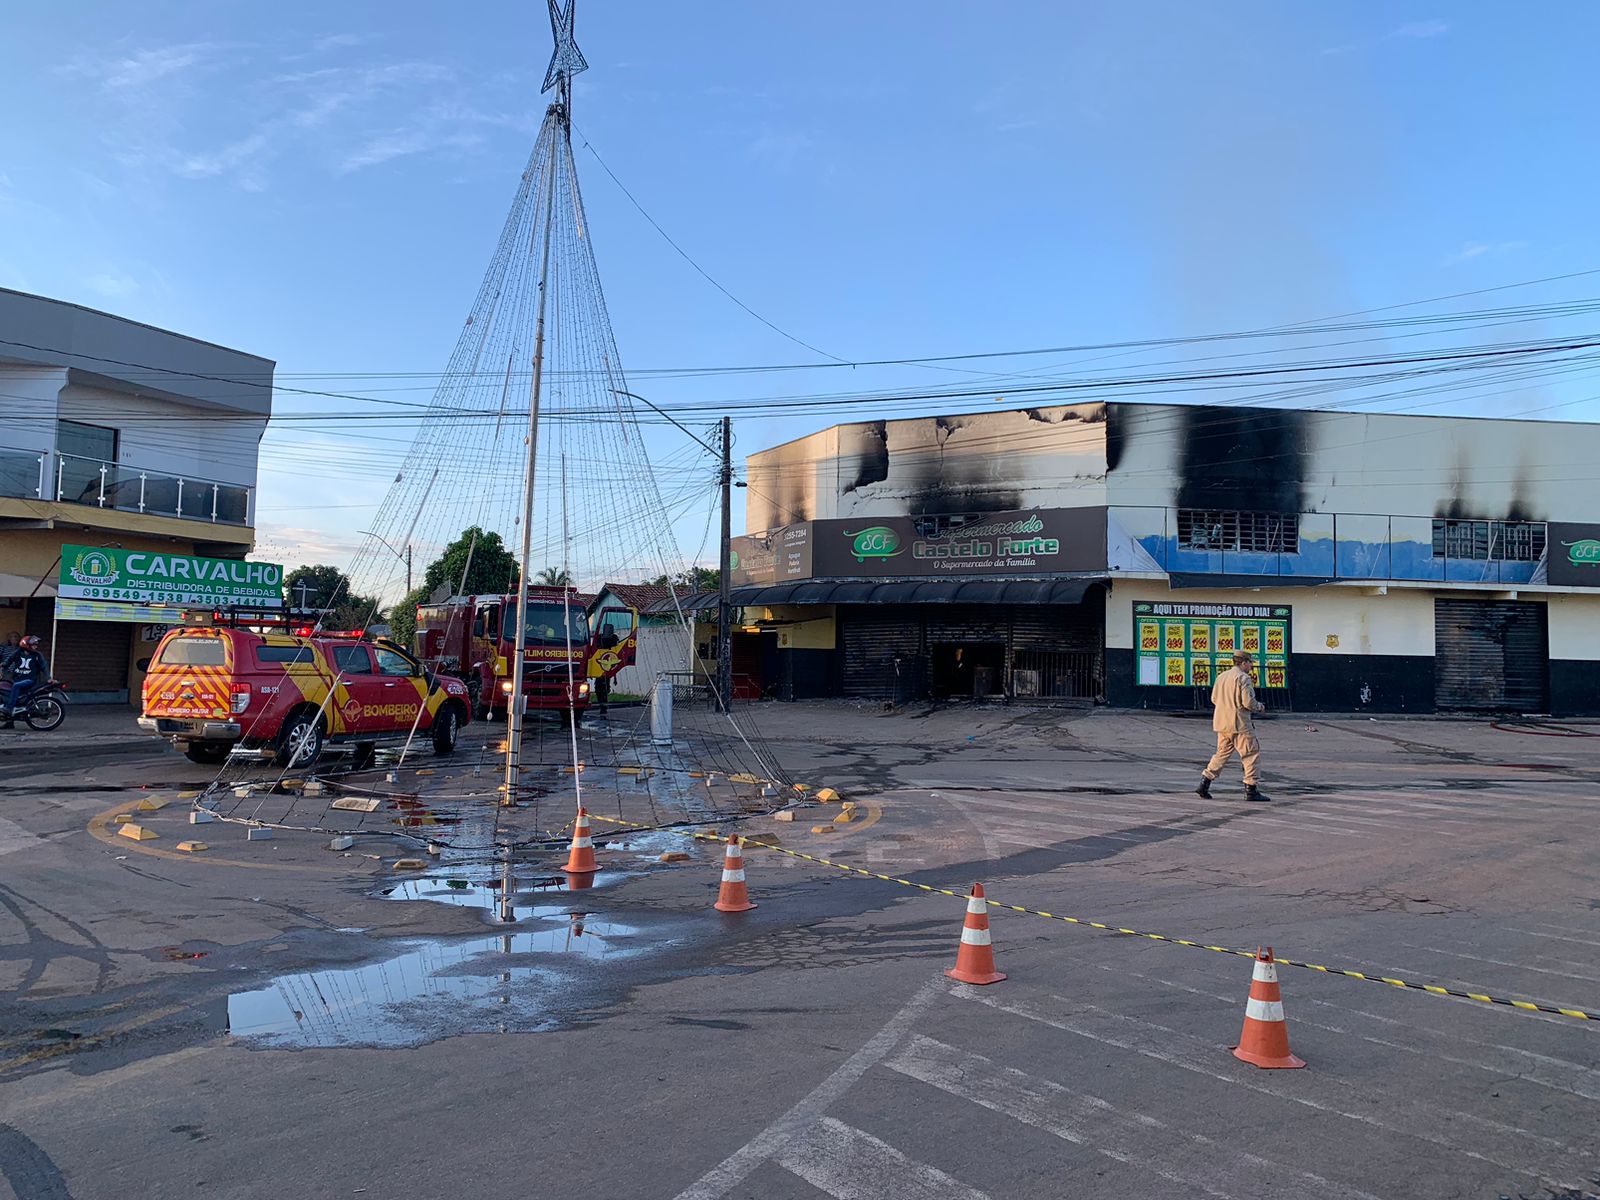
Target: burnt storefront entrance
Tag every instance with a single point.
(1491, 656)
(955, 651)
(967, 668)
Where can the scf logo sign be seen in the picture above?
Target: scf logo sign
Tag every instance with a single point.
(877, 542)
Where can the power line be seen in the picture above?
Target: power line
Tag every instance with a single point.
(704, 274)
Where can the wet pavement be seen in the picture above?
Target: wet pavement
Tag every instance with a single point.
(522, 980)
(274, 1018)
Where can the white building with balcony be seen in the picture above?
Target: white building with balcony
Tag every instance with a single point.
(114, 433)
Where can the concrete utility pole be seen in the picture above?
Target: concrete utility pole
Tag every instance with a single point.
(725, 584)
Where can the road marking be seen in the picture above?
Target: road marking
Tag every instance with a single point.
(1189, 1053)
(1188, 1159)
(14, 837)
(1500, 962)
(1262, 826)
(1530, 1075)
(851, 1165)
(1556, 936)
(731, 1171)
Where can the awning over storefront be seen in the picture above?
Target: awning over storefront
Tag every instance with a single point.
(20, 587)
(906, 591)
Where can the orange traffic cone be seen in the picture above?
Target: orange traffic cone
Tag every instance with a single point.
(580, 861)
(975, 959)
(732, 897)
(1265, 1040)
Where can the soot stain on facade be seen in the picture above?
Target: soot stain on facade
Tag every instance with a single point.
(1252, 461)
(958, 480)
(872, 458)
(1116, 436)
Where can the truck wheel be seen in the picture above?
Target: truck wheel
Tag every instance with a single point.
(207, 753)
(300, 742)
(445, 726)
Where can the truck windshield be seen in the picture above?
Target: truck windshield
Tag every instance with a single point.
(545, 624)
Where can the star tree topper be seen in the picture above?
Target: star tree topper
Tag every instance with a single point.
(567, 60)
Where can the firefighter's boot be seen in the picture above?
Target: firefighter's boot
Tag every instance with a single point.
(1204, 790)
(1253, 794)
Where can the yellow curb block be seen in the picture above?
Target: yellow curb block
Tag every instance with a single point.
(152, 805)
(121, 818)
(822, 829)
(827, 795)
(193, 847)
(410, 864)
(137, 832)
(673, 856)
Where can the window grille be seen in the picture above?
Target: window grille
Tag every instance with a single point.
(1247, 532)
(1489, 541)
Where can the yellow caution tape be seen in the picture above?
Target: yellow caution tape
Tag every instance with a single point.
(1432, 989)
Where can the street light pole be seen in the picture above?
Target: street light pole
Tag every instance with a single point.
(725, 582)
(405, 558)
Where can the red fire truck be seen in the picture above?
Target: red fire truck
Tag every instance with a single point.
(474, 637)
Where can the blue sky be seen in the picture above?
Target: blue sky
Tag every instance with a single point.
(323, 184)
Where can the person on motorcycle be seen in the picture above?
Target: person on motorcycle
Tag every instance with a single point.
(28, 671)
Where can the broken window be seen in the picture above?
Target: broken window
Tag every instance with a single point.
(1489, 541)
(1247, 532)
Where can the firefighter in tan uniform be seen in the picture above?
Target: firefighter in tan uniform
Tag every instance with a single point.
(1233, 697)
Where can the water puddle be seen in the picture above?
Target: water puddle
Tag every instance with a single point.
(516, 981)
(530, 894)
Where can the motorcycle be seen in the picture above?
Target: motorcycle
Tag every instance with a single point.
(47, 707)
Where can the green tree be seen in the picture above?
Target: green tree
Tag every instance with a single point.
(491, 572)
(695, 579)
(475, 564)
(403, 617)
(554, 577)
(327, 587)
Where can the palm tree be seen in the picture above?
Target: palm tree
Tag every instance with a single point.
(554, 577)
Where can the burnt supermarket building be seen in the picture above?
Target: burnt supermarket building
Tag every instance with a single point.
(1119, 553)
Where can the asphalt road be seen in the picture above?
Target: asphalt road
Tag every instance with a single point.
(263, 1020)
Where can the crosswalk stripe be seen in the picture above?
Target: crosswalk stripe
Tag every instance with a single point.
(1187, 1159)
(1145, 810)
(849, 1164)
(731, 1171)
(1501, 962)
(1191, 1054)
(1062, 818)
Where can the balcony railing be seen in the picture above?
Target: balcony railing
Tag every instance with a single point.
(70, 479)
(1329, 546)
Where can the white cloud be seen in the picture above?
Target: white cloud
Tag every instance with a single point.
(299, 546)
(308, 103)
(1422, 29)
(147, 66)
(403, 143)
(1474, 250)
(338, 41)
(113, 284)
(230, 157)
